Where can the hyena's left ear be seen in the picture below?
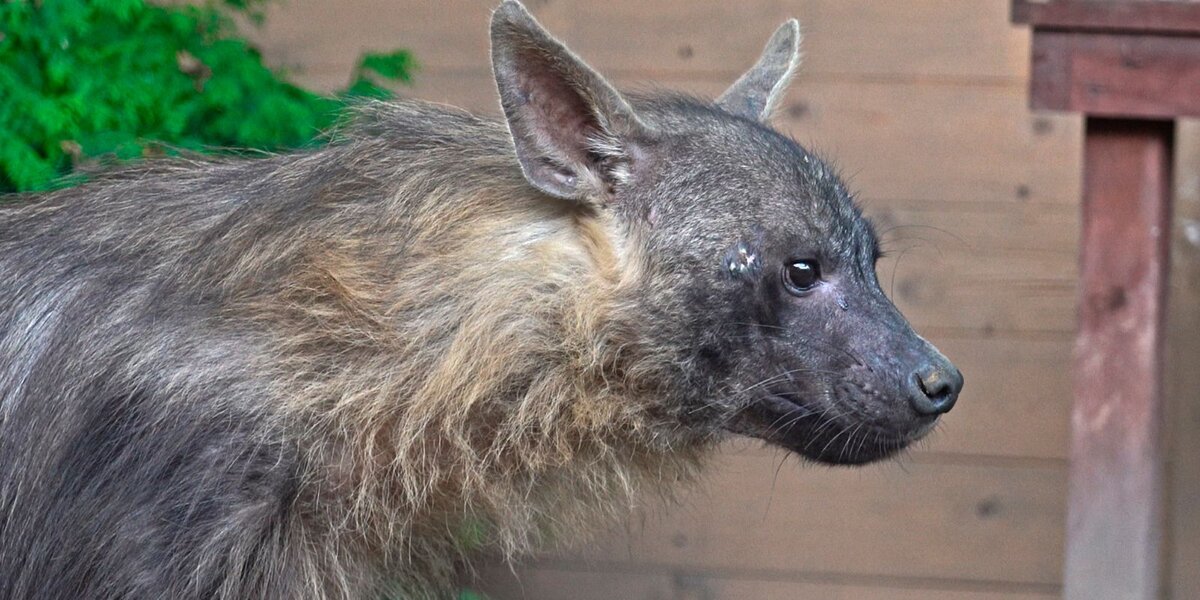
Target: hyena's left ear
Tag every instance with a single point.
(755, 94)
(576, 137)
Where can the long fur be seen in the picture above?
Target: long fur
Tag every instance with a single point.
(340, 373)
(329, 374)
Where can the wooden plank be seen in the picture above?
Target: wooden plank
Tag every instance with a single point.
(1182, 376)
(566, 583)
(1115, 528)
(1000, 268)
(1116, 75)
(915, 38)
(673, 36)
(999, 294)
(320, 36)
(926, 39)
(927, 520)
(938, 142)
(1142, 16)
(857, 38)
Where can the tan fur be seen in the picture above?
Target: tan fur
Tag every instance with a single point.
(484, 385)
(340, 373)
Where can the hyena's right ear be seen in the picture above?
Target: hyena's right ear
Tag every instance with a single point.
(755, 94)
(576, 137)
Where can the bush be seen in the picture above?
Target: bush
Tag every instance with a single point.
(82, 80)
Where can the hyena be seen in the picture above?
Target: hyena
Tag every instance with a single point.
(339, 373)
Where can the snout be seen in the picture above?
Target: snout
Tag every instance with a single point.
(934, 387)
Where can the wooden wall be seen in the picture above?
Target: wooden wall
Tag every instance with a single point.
(923, 103)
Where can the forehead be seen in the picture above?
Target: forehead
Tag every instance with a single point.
(727, 178)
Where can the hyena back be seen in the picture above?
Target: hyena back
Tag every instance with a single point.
(338, 373)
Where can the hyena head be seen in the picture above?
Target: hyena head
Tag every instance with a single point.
(756, 267)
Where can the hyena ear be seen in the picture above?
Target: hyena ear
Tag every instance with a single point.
(575, 135)
(755, 94)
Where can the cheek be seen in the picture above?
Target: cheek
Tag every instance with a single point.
(817, 321)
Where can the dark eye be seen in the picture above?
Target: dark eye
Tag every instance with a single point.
(801, 276)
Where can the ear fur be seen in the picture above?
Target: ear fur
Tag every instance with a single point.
(756, 93)
(574, 134)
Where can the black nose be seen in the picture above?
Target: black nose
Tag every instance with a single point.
(934, 388)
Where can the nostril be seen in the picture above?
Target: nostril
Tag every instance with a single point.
(936, 389)
(921, 385)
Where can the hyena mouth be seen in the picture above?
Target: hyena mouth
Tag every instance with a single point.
(827, 432)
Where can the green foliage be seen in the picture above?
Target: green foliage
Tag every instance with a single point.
(81, 79)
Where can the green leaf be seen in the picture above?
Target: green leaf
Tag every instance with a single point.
(115, 79)
(396, 66)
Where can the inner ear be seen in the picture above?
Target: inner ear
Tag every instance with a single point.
(559, 117)
(574, 134)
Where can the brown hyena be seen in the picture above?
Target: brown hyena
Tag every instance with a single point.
(332, 373)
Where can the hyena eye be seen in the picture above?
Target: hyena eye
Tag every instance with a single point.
(801, 276)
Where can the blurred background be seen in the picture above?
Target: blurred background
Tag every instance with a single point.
(923, 103)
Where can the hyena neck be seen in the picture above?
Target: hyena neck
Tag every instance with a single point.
(487, 394)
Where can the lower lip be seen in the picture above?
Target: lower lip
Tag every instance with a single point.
(787, 405)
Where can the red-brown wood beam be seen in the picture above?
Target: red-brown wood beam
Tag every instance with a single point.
(1132, 16)
(1116, 75)
(1114, 516)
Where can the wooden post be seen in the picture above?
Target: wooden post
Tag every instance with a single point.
(1114, 520)
(1131, 67)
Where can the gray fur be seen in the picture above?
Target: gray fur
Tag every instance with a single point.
(307, 375)
(756, 93)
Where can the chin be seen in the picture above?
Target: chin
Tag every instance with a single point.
(828, 435)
